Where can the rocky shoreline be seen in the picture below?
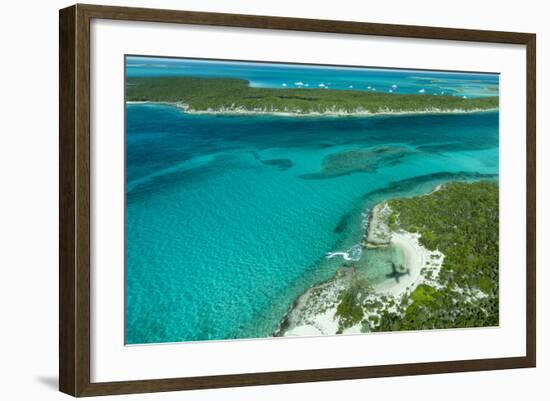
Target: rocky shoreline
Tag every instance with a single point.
(378, 233)
(312, 313)
(331, 112)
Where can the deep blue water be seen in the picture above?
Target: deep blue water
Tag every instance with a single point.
(292, 76)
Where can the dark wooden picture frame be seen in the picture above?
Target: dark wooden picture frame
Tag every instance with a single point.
(74, 200)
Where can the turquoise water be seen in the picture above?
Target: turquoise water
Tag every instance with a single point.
(229, 218)
(300, 76)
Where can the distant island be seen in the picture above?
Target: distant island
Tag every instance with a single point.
(449, 238)
(236, 96)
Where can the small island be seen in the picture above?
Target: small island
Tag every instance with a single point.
(236, 96)
(449, 239)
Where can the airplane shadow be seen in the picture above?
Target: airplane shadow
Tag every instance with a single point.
(398, 272)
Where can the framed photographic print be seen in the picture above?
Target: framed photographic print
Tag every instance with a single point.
(251, 200)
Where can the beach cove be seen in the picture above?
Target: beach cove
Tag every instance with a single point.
(316, 312)
(428, 293)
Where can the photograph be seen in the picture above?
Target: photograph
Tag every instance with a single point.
(238, 200)
(272, 199)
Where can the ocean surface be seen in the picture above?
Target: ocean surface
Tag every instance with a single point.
(273, 75)
(230, 218)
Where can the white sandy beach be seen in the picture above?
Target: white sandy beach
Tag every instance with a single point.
(323, 325)
(415, 258)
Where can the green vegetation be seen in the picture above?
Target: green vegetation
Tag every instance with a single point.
(392, 221)
(349, 309)
(424, 294)
(228, 94)
(460, 220)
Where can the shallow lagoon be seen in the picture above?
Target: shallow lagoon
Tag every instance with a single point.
(229, 218)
